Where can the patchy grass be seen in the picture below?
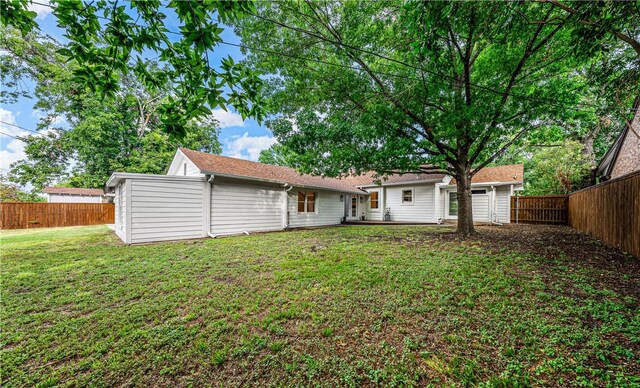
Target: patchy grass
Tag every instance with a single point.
(338, 306)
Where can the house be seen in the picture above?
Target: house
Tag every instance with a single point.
(624, 156)
(73, 194)
(211, 195)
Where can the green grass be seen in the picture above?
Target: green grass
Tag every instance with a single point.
(335, 306)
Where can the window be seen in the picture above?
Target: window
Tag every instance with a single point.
(407, 196)
(453, 204)
(374, 200)
(479, 191)
(306, 202)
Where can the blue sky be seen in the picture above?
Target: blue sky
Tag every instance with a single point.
(241, 139)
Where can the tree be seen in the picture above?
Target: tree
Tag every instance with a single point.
(12, 193)
(425, 87)
(122, 133)
(278, 155)
(559, 168)
(110, 40)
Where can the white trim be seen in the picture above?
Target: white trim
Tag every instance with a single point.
(315, 201)
(206, 208)
(447, 216)
(383, 184)
(376, 210)
(128, 227)
(119, 176)
(487, 184)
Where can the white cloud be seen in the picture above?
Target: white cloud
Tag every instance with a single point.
(228, 119)
(248, 147)
(11, 152)
(43, 9)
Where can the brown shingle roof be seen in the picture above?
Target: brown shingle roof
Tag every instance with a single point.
(223, 165)
(72, 191)
(507, 173)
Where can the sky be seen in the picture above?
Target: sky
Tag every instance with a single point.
(240, 138)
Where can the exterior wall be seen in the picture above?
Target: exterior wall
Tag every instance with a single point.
(69, 198)
(238, 206)
(421, 210)
(329, 209)
(375, 214)
(481, 204)
(177, 166)
(628, 159)
(120, 204)
(502, 204)
(165, 209)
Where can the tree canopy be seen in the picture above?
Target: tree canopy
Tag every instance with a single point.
(415, 86)
(122, 133)
(112, 40)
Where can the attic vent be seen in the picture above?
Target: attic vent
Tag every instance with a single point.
(184, 168)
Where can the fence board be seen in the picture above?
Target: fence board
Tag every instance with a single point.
(610, 211)
(24, 215)
(548, 209)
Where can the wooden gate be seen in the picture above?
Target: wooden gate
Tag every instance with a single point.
(23, 215)
(547, 209)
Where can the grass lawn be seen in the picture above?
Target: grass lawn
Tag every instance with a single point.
(402, 305)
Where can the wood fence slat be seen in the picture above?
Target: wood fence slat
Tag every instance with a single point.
(550, 209)
(610, 211)
(24, 215)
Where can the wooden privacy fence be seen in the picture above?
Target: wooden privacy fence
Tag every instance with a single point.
(22, 215)
(610, 211)
(548, 209)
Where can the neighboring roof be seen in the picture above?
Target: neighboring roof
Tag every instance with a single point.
(72, 191)
(232, 167)
(506, 173)
(605, 167)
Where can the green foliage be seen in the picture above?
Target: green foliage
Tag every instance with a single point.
(123, 133)
(111, 40)
(278, 155)
(11, 193)
(559, 168)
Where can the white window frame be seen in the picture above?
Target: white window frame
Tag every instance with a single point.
(315, 202)
(379, 201)
(413, 196)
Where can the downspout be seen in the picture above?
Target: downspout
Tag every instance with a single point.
(210, 181)
(287, 187)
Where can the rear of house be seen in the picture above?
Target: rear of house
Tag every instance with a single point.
(210, 195)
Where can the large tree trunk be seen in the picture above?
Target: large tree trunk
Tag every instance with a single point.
(465, 212)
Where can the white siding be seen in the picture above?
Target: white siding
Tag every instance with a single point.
(166, 210)
(177, 166)
(421, 210)
(502, 204)
(480, 205)
(120, 204)
(68, 198)
(375, 214)
(245, 206)
(329, 209)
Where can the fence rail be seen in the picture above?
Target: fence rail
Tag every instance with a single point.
(23, 215)
(610, 211)
(548, 209)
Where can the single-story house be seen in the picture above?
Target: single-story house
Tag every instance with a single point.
(211, 195)
(73, 194)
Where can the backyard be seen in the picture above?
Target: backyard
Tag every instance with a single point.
(403, 305)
